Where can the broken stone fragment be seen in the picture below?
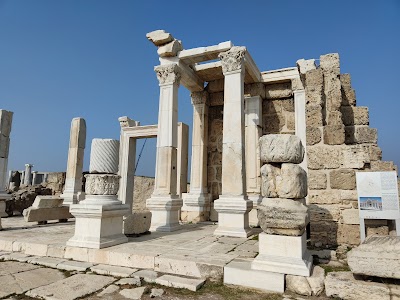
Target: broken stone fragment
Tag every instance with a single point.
(171, 49)
(138, 222)
(281, 148)
(282, 216)
(159, 37)
(305, 65)
(269, 173)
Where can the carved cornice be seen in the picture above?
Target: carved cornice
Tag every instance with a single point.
(168, 74)
(199, 97)
(232, 60)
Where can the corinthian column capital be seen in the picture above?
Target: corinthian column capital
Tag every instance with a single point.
(232, 60)
(199, 97)
(168, 74)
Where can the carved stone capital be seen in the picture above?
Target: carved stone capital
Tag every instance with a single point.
(199, 97)
(168, 74)
(232, 60)
(101, 184)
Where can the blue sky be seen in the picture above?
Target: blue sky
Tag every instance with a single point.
(67, 58)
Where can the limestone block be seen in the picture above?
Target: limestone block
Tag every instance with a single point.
(330, 63)
(344, 179)
(307, 286)
(348, 234)
(324, 197)
(269, 173)
(375, 152)
(288, 105)
(316, 180)
(349, 195)
(137, 223)
(376, 256)
(217, 99)
(360, 134)
(170, 50)
(5, 122)
(292, 183)
(315, 78)
(215, 86)
(47, 202)
(271, 107)
(332, 91)
(290, 121)
(351, 216)
(382, 166)
(159, 37)
(254, 89)
(278, 90)
(46, 214)
(334, 118)
(323, 212)
(282, 216)
(314, 115)
(345, 285)
(334, 134)
(324, 157)
(305, 66)
(192, 284)
(348, 94)
(104, 156)
(355, 156)
(277, 148)
(314, 95)
(377, 230)
(101, 184)
(313, 135)
(273, 124)
(355, 115)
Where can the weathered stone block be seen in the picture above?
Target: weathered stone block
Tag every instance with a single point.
(361, 134)
(5, 122)
(334, 118)
(333, 94)
(324, 197)
(215, 86)
(46, 214)
(348, 234)
(47, 202)
(217, 99)
(351, 216)
(290, 121)
(307, 286)
(334, 134)
(282, 216)
(292, 183)
(377, 230)
(159, 37)
(355, 157)
(330, 63)
(171, 49)
(316, 180)
(314, 115)
(324, 213)
(305, 66)
(269, 173)
(278, 90)
(348, 94)
(313, 135)
(314, 95)
(137, 223)
(375, 152)
(376, 256)
(323, 157)
(349, 195)
(344, 179)
(273, 123)
(355, 115)
(255, 89)
(288, 105)
(281, 148)
(382, 166)
(314, 78)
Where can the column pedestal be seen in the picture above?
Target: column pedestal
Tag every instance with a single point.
(164, 212)
(196, 207)
(233, 217)
(283, 254)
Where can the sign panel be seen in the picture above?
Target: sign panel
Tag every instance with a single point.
(378, 196)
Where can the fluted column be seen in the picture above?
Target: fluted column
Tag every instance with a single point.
(196, 204)
(233, 205)
(164, 203)
(28, 174)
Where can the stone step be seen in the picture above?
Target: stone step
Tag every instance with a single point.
(70, 265)
(192, 284)
(113, 270)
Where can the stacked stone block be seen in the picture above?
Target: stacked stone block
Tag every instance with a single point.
(339, 144)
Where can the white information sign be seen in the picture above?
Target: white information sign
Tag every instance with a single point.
(378, 197)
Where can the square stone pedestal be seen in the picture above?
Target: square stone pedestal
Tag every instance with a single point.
(233, 216)
(283, 254)
(98, 224)
(196, 207)
(165, 213)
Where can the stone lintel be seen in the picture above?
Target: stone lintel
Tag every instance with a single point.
(200, 54)
(279, 75)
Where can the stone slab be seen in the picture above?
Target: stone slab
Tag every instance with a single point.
(108, 290)
(112, 270)
(71, 288)
(376, 256)
(135, 294)
(239, 272)
(50, 262)
(147, 275)
(192, 284)
(47, 202)
(21, 282)
(129, 281)
(74, 266)
(45, 214)
(21, 257)
(12, 267)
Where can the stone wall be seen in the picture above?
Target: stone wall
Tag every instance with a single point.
(339, 143)
(143, 188)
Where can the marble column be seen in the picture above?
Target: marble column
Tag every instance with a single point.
(233, 205)
(182, 159)
(73, 182)
(253, 132)
(28, 174)
(196, 203)
(34, 177)
(164, 203)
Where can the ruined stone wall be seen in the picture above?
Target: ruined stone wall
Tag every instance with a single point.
(339, 143)
(143, 188)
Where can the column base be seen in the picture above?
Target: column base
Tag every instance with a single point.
(98, 222)
(72, 198)
(196, 207)
(283, 254)
(164, 213)
(233, 216)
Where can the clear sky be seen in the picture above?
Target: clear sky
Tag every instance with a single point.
(68, 58)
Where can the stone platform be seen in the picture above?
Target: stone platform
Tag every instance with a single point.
(191, 251)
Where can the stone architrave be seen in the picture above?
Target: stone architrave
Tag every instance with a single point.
(233, 205)
(253, 132)
(196, 204)
(164, 203)
(99, 218)
(28, 174)
(73, 181)
(5, 130)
